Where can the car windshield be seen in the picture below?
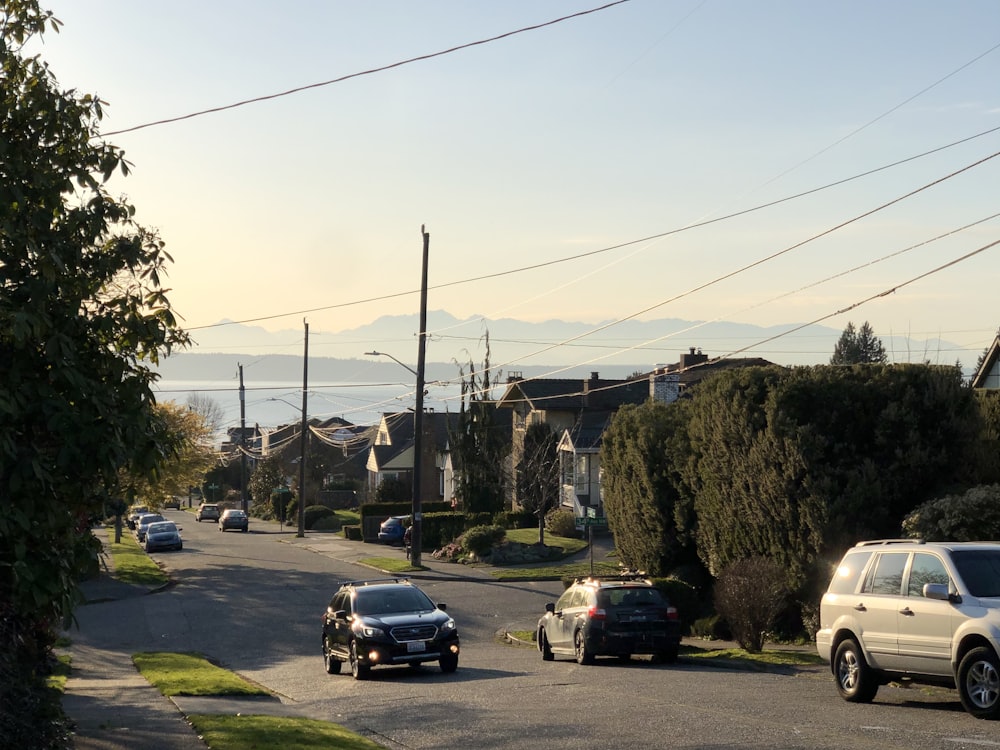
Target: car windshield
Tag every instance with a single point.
(386, 601)
(980, 569)
(234, 514)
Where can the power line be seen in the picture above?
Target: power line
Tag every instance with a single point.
(341, 79)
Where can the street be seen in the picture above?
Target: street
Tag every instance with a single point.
(252, 603)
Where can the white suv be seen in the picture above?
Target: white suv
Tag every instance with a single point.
(926, 612)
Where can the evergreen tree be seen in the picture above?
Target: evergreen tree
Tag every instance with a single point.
(861, 347)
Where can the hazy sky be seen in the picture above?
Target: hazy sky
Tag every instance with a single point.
(596, 138)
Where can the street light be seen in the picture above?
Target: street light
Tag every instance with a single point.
(384, 354)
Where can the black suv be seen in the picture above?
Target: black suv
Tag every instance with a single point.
(386, 621)
(610, 617)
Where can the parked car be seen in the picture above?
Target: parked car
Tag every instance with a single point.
(384, 622)
(173, 503)
(610, 617)
(163, 535)
(392, 530)
(143, 523)
(234, 518)
(919, 612)
(207, 512)
(133, 515)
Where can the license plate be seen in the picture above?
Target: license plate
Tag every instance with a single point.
(415, 646)
(636, 618)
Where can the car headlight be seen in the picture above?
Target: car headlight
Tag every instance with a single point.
(449, 625)
(368, 631)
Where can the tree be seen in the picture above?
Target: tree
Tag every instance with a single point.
(644, 496)
(861, 347)
(267, 476)
(210, 411)
(537, 474)
(479, 446)
(83, 322)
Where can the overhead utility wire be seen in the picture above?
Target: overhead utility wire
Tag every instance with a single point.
(566, 259)
(399, 64)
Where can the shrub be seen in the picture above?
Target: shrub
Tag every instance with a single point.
(314, 513)
(561, 522)
(480, 539)
(970, 517)
(750, 594)
(684, 597)
(713, 628)
(515, 519)
(326, 523)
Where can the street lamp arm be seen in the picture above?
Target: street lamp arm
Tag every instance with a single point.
(385, 354)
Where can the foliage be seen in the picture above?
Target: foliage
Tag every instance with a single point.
(645, 499)
(480, 539)
(83, 322)
(973, 516)
(858, 347)
(561, 522)
(515, 519)
(264, 485)
(393, 489)
(479, 446)
(537, 473)
(314, 513)
(684, 597)
(713, 628)
(750, 594)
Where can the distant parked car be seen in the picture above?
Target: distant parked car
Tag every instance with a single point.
(143, 524)
(133, 515)
(207, 512)
(163, 535)
(173, 502)
(234, 518)
(610, 617)
(392, 530)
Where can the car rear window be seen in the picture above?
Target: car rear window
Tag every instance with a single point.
(629, 596)
(848, 573)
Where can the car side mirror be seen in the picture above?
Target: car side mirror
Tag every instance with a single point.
(939, 591)
(442, 606)
(550, 607)
(340, 614)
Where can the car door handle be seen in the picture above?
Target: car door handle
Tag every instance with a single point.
(906, 611)
(860, 607)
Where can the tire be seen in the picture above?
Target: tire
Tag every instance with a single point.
(979, 683)
(665, 657)
(856, 682)
(358, 670)
(544, 647)
(448, 662)
(624, 658)
(583, 654)
(330, 662)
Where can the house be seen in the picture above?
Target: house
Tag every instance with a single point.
(390, 455)
(580, 411)
(987, 377)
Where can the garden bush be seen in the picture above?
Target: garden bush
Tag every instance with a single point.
(515, 519)
(480, 539)
(561, 522)
(326, 523)
(314, 513)
(750, 594)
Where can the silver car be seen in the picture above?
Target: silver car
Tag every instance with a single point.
(163, 535)
(922, 612)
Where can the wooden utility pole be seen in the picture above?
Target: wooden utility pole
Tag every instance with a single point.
(302, 440)
(416, 536)
(243, 445)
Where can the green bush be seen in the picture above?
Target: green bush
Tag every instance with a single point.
(326, 523)
(684, 597)
(561, 522)
(713, 627)
(971, 517)
(480, 539)
(314, 513)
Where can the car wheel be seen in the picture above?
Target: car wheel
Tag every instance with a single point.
(979, 683)
(855, 681)
(330, 662)
(665, 657)
(358, 670)
(624, 658)
(544, 647)
(583, 655)
(448, 662)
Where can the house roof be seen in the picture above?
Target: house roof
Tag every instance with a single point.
(988, 375)
(586, 434)
(575, 393)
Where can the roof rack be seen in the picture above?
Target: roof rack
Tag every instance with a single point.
(398, 579)
(889, 541)
(618, 578)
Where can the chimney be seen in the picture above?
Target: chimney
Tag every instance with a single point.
(691, 358)
(664, 386)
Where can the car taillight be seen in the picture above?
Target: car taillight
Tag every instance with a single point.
(670, 613)
(596, 613)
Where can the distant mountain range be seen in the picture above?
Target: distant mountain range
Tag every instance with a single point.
(623, 349)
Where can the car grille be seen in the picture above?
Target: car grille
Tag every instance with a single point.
(403, 633)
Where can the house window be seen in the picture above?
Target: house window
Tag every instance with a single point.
(566, 465)
(519, 418)
(582, 475)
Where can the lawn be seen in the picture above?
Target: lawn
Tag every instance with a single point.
(132, 564)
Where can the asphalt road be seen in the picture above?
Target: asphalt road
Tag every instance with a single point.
(253, 603)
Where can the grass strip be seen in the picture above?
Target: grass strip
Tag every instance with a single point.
(132, 564)
(191, 674)
(530, 536)
(556, 572)
(391, 564)
(737, 658)
(287, 733)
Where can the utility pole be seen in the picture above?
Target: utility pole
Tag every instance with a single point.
(243, 444)
(302, 441)
(418, 415)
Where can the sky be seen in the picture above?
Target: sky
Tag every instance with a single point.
(769, 162)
